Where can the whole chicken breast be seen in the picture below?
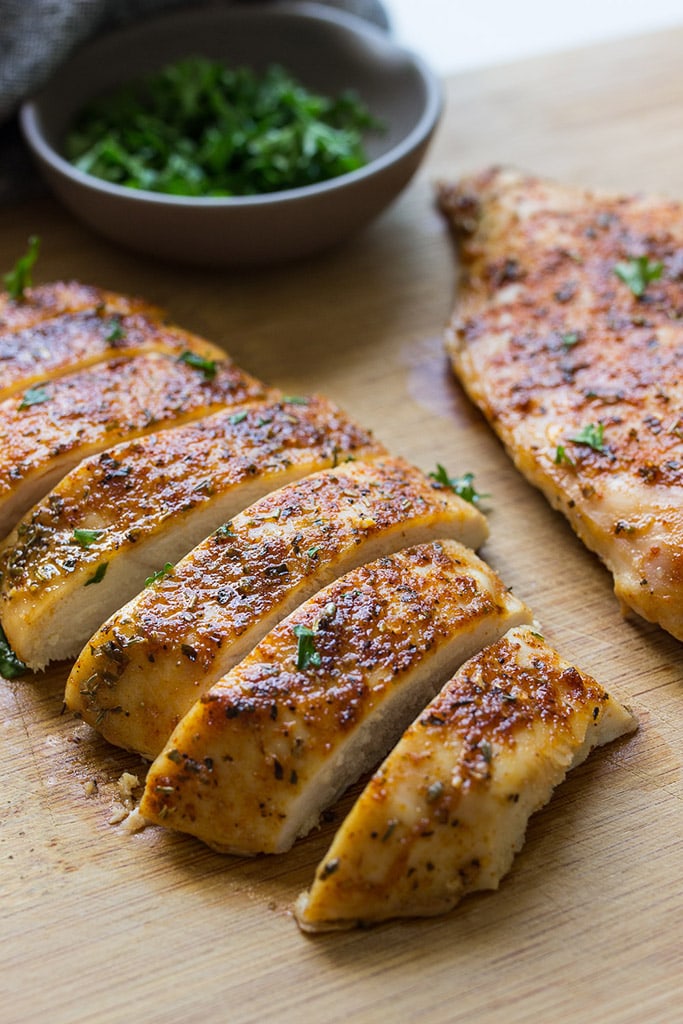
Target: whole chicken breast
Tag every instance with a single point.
(46, 431)
(447, 811)
(568, 335)
(322, 698)
(145, 503)
(148, 664)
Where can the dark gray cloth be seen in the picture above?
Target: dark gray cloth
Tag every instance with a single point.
(36, 36)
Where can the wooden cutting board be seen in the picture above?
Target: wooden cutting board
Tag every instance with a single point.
(100, 926)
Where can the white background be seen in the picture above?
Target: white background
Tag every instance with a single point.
(454, 35)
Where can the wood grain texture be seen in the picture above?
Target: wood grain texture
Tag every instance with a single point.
(100, 926)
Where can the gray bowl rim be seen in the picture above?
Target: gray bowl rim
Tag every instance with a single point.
(29, 111)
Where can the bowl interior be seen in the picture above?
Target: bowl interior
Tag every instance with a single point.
(329, 51)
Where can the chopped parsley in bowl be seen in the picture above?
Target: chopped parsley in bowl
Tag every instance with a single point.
(201, 128)
(305, 185)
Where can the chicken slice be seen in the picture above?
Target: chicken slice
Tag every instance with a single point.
(568, 335)
(74, 341)
(147, 502)
(47, 301)
(48, 430)
(447, 811)
(323, 697)
(150, 662)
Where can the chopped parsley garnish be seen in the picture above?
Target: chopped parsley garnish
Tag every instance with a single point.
(98, 575)
(295, 400)
(197, 362)
(160, 574)
(561, 457)
(238, 417)
(570, 338)
(592, 435)
(200, 128)
(116, 331)
(87, 537)
(34, 396)
(10, 666)
(20, 277)
(306, 654)
(637, 272)
(463, 485)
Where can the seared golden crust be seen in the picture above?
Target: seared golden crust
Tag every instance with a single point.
(580, 377)
(576, 338)
(74, 341)
(148, 502)
(496, 699)
(220, 600)
(61, 297)
(255, 761)
(447, 811)
(140, 485)
(49, 429)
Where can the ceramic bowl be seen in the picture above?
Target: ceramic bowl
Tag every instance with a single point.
(327, 49)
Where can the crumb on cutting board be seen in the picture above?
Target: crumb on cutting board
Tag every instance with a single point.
(124, 808)
(90, 787)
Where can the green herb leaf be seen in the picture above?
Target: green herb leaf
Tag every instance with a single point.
(463, 485)
(295, 400)
(20, 277)
(238, 417)
(561, 457)
(592, 435)
(98, 575)
(570, 338)
(160, 574)
(197, 362)
(306, 654)
(637, 272)
(10, 666)
(34, 396)
(87, 537)
(116, 331)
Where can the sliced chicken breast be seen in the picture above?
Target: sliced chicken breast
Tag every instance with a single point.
(74, 341)
(568, 336)
(447, 811)
(46, 301)
(147, 502)
(46, 431)
(148, 664)
(322, 698)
